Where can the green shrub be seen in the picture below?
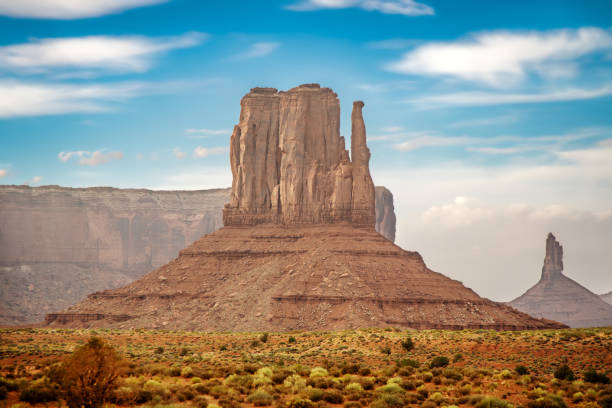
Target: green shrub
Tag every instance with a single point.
(260, 398)
(200, 402)
(318, 372)
(547, 401)
(315, 394)
(492, 402)
(291, 340)
(521, 370)
(593, 376)
(187, 372)
(407, 344)
(564, 372)
(300, 403)
(159, 350)
(263, 338)
(437, 397)
(41, 390)
(390, 389)
(439, 361)
(333, 397)
(457, 357)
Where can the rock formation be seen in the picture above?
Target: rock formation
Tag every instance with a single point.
(607, 297)
(560, 298)
(59, 244)
(385, 213)
(299, 249)
(289, 162)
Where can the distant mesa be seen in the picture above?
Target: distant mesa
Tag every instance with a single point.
(607, 297)
(560, 298)
(299, 248)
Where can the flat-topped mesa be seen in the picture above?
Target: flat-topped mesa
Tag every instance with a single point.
(553, 261)
(290, 165)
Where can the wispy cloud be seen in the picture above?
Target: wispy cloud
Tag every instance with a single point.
(68, 9)
(201, 152)
(86, 158)
(260, 49)
(33, 180)
(477, 98)
(490, 145)
(93, 54)
(204, 133)
(3, 173)
(404, 7)
(178, 153)
(496, 120)
(502, 58)
(33, 99)
(393, 43)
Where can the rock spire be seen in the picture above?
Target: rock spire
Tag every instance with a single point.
(290, 165)
(553, 261)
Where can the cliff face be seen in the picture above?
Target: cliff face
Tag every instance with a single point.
(560, 298)
(607, 297)
(385, 213)
(59, 244)
(289, 162)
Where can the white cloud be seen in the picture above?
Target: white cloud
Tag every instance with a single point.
(90, 158)
(393, 43)
(417, 140)
(404, 7)
(504, 98)
(33, 98)
(499, 150)
(431, 141)
(201, 152)
(204, 133)
(260, 49)
(496, 120)
(3, 173)
(502, 58)
(93, 53)
(178, 153)
(68, 9)
(33, 180)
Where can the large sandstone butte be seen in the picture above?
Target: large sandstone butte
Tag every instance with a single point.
(299, 249)
(58, 244)
(560, 298)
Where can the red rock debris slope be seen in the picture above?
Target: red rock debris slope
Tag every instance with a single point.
(299, 249)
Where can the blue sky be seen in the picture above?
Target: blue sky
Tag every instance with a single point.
(479, 113)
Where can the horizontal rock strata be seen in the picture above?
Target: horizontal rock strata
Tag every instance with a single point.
(270, 277)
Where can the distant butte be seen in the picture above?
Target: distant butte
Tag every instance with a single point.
(560, 298)
(299, 248)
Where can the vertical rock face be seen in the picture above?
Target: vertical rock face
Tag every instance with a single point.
(553, 261)
(385, 213)
(290, 165)
(560, 298)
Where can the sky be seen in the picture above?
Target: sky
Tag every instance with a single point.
(490, 121)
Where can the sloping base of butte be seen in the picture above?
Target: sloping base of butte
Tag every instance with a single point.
(269, 277)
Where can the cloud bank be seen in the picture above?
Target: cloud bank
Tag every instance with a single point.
(93, 53)
(86, 158)
(403, 7)
(500, 58)
(68, 9)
